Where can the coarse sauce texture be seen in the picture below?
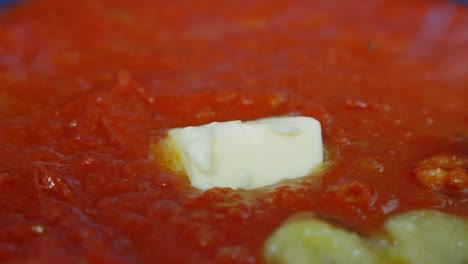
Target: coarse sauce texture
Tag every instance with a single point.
(87, 88)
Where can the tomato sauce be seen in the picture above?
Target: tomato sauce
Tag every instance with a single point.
(87, 88)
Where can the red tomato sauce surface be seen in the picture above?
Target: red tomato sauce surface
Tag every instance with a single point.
(88, 87)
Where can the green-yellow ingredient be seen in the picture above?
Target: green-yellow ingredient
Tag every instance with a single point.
(418, 237)
(316, 241)
(428, 237)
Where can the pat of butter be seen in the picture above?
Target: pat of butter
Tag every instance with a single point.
(251, 154)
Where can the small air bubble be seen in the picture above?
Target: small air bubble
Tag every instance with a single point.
(390, 206)
(73, 123)
(38, 229)
(88, 160)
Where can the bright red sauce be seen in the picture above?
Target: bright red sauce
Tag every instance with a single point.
(87, 87)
